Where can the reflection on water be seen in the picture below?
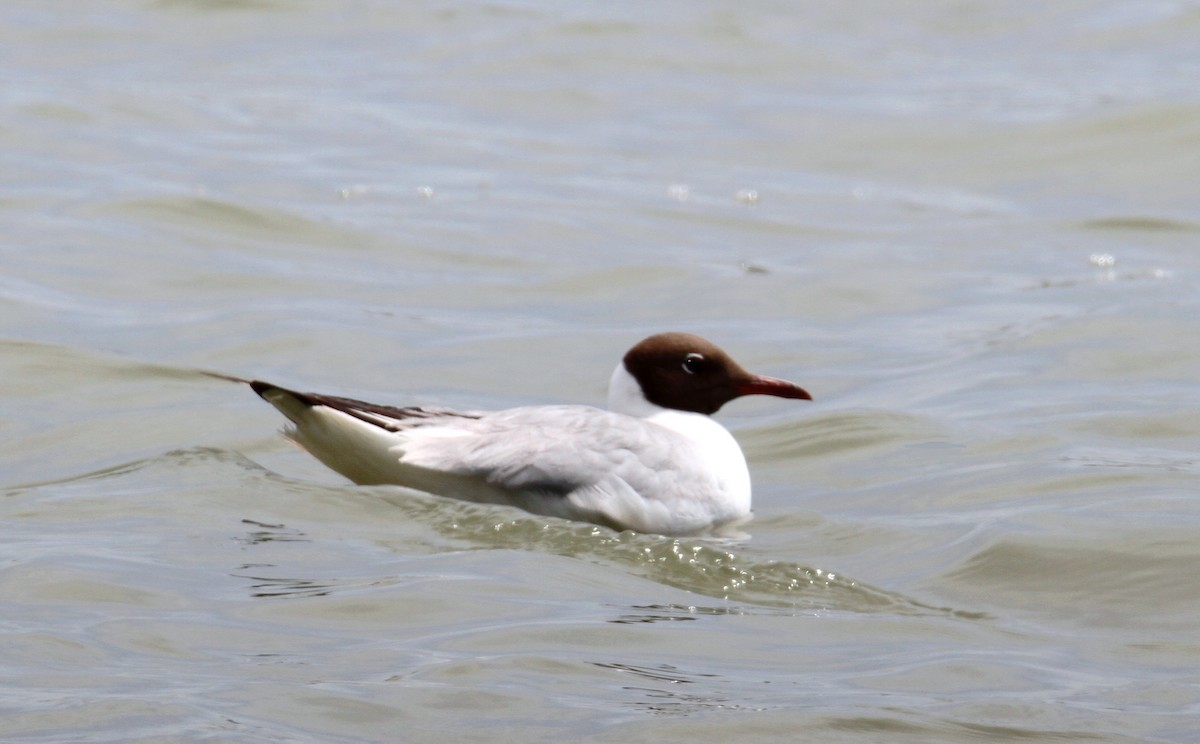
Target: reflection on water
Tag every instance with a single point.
(677, 691)
(709, 567)
(271, 533)
(715, 568)
(273, 587)
(665, 613)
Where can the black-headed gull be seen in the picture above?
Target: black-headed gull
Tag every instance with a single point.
(653, 462)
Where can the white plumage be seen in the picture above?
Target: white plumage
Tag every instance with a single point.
(654, 462)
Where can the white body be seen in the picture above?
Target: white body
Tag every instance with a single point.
(636, 466)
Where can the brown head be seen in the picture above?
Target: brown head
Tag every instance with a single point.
(688, 373)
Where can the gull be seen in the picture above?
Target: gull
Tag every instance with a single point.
(654, 462)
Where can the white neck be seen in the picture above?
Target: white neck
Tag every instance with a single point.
(715, 444)
(625, 395)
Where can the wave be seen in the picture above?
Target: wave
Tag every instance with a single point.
(724, 570)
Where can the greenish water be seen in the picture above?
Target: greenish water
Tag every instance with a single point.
(968, 229)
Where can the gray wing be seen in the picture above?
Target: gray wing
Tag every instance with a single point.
(553, 450)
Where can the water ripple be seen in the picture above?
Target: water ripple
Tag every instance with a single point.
(705, 566)
(721, 570)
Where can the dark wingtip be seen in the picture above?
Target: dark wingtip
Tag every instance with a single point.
(262, 388)
(223, 376)
(271, 392)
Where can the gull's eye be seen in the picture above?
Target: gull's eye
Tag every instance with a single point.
(693, 363)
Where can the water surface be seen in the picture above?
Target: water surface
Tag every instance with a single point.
(968, 228)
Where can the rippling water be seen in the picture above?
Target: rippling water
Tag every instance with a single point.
(968, 228)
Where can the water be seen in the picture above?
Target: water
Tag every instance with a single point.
(968, 228)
